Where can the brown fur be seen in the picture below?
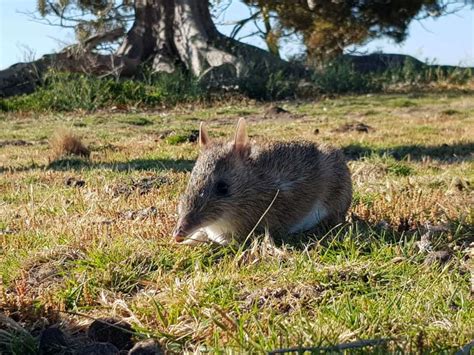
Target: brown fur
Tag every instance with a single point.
(66, 143)
(301, 172)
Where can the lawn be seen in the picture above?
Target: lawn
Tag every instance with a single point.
(88, 238)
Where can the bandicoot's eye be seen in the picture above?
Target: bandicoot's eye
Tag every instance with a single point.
(222, 189)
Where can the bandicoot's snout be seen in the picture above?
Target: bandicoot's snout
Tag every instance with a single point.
(181, 231)
(179, 234)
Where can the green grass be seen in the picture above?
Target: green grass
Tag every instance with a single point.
(64, 92)
(70, 92)
(66, 249)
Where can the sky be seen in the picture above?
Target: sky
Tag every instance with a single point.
(448, 40)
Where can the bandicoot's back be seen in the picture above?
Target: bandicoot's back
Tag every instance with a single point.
(294, 186)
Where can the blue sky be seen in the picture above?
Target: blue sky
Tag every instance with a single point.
(446, 40)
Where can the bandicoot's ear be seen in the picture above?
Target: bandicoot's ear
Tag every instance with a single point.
(203, 136)
(241, 139)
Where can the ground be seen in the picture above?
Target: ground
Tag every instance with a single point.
(81, 239)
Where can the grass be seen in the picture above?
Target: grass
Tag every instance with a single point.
(65, 92)
(68, 250)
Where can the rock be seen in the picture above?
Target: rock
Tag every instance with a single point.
(383, 224)
(8, 231)
(274, 111)
(436, 228)
(97, 349)
(73, 182)
(357, 127)
(440, 257)
(147, 347)
(193, 136)
(147, 212)
(140, 214)
(111, 330)
(424, 244)
(459, 184)
(52, 340)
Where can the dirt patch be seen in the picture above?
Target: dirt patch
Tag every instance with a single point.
(46, 269)
(278, 112)
(354, 127)
(41, 278)
(139, 214)
(142, 186)
(284, 299)
(275, 110)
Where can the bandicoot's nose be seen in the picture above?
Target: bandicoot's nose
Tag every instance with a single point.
(179, 234)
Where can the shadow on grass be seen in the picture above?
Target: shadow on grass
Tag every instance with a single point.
(76, 163)
(449, 153)
(443, 152)
(134, 164)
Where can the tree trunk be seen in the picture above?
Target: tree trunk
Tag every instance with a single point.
(168, 34)
(172, 33)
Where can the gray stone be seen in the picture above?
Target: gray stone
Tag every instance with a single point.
(440, 257)
(52, 340)
(111, 330)
(147, 347)
(98, 349)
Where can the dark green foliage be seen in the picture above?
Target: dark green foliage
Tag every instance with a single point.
(177, 139)
(136, 121)
(411, 73)
(339, 76)
(399, 169)
(70, 91)
(14, 341)
(327, 27)
(274, 87)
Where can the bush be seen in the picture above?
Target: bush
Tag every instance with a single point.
(339, 77)
(412, 74)
(72, 91)
(275, 86)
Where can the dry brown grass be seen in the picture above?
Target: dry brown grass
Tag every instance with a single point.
(65, 143)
